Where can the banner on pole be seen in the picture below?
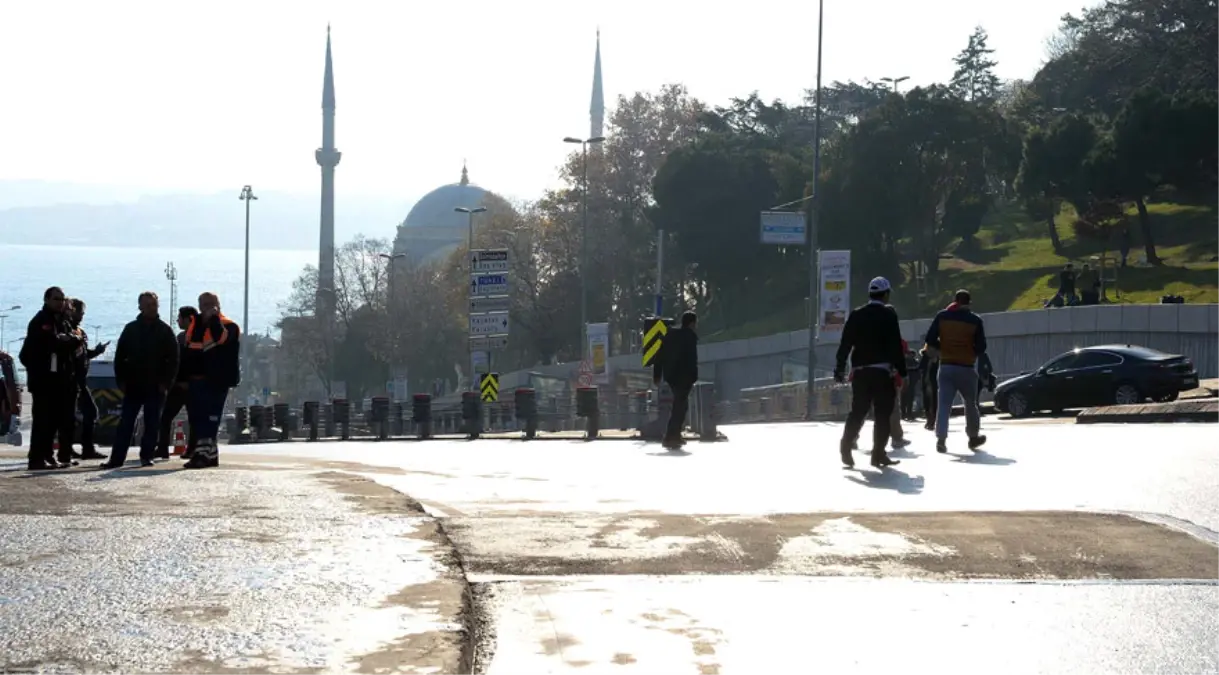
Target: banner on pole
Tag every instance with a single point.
(598, 351)
(835, 292)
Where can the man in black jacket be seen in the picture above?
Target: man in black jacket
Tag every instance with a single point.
(84, 397)
(176, 399)
(145, 364)
(213, 349)
(47, 355)
(872, 339)
(678, 364)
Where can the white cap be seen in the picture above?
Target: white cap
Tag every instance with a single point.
(879, 285)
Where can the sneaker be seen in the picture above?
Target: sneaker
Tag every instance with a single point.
(977, 442)
(941, 445)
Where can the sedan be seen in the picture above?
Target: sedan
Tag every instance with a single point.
(1095, 376)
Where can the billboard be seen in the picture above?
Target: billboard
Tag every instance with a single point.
(834, 288)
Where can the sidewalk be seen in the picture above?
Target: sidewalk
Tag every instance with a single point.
(243, 569)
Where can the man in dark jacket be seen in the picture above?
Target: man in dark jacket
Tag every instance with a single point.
(678, 364)
(959, 336)
(84, 398)
(145, 364)
(47, 355)
(872, 338)
(176, 399)
(213, 366)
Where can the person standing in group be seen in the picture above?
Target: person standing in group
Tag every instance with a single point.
(958, 334)
(145, 364)
(872, 339)
(678, 365)
(47, 355)
(929, 366)
(84, 398)
(176, 399)
(913, 383)
(213, 348)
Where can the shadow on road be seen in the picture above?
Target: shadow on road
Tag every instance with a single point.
(888, 479)
(670, 453)
(982, 458)
(133, 471)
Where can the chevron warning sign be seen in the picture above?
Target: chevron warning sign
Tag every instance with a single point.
(489, 387)
(654, 332)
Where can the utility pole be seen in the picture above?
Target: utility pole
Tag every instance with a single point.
(584, 143)
(814, 296)
(171, 273)
(247, 196)
(660, 270)
(470, 272)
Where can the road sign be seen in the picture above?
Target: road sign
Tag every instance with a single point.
(485, 305)
(489, 387)
(785, 228)
(485, 285)
(485, 343)
(491, 260)
(489, 324)
(654, 333)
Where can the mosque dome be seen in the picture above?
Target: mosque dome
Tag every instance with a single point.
(434, 228)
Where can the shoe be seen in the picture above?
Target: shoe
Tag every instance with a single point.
(941, 446)
(41, 466)
(880, 460)
(900, 443)
(929, 426)
(161, 455)
(68, 461)
(977, 442)
(199, 462)
(92, 454)
(844, 452)
(147, 462)
(108, 466)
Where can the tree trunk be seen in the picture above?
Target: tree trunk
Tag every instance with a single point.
(1149, 244)
(1054, 240)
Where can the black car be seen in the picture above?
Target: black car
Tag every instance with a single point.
(1095, 376)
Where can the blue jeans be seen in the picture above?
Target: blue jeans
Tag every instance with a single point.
(133, 403)
(204, 406)
(955, 380)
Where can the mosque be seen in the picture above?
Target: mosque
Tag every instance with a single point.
(433, 229)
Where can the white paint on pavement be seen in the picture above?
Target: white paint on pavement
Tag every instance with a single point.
(840, 541)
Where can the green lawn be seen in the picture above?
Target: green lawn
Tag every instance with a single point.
(1015, 267)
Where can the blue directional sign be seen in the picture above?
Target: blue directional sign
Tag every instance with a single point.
(785, 228)
(484, 285)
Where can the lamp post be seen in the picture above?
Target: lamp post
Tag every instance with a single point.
(5, 316)
(814, 207)
(247, 196)
(470, 212)
(584, 143)
(171, 273)
(894, 81)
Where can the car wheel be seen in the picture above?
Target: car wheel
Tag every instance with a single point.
(1017, 405)
(1127, 394)
(1167, 398)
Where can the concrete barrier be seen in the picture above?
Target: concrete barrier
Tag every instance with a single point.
(1190, 410)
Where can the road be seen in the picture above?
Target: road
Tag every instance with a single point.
(1061, 548)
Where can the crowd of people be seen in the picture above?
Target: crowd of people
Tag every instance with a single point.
(157, 372)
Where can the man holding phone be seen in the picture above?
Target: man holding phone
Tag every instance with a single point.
(84, 397)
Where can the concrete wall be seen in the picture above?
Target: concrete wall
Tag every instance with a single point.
(1018, 341)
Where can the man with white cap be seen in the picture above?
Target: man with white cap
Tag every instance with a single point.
(872, 338)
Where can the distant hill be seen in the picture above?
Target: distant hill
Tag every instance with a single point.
(35, 213)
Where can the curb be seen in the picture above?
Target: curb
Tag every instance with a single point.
(1193, 410)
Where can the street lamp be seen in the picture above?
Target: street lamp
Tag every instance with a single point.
(584, 245)
(470, 213)
(247, 196)
(894, 81)
(813, 208)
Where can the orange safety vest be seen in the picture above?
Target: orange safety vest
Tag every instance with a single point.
(208, 341)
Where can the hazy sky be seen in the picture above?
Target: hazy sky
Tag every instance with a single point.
(154, 95)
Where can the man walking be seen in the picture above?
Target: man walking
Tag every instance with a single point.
(176, 399)
(145, 364)
(84, 398)
(872, 339)
(213, 348)
(47, 356)
(678, 364)
(957, 334)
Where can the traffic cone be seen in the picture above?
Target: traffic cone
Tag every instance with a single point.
(179, 440)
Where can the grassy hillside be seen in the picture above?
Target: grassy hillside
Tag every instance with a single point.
(1015, 267)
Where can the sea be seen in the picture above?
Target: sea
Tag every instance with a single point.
(110, 280)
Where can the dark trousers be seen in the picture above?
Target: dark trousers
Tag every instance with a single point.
(909, 388)
(677, 416)
(204, 407)
(88, 417)
(54, 413)
(871, 389)
(931, 396)
(133, 403)
(175, 400)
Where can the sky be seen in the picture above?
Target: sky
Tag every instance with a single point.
(200, 97)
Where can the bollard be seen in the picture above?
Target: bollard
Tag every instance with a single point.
(527, 410)
(624, 411)
(311, 418)
(380, 417)
(471, 413)
(654, 429)
(586, 407)
(283, 423)
(342, 417)
(704, 398)
(396, 423)
(421, 414)
(243, 425)
(328, 411)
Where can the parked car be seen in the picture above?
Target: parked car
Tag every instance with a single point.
(1094, 376)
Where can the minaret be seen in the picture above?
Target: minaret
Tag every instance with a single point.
(596, 111)
(327, 158)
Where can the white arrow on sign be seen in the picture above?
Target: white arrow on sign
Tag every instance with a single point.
(484, 285)
(491, 260)
(489, 324)
(484, 305)
(491, 343)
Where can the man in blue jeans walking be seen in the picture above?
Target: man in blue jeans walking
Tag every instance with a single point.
(959, 336)
(145, 364)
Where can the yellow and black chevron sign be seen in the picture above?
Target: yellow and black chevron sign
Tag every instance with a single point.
(489, 386)
(654, 333)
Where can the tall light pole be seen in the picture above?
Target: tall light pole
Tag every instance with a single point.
(814, 297)
(5, 316)
(470, 212)
(894, 81)
(171, 273)
(584, 245)
(247, 196)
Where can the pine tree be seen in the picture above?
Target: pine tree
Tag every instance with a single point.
(975, 79)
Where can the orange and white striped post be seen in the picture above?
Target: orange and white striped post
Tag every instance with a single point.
(179, 440)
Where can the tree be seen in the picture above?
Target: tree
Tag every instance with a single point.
(975, 80)
(1052, 169)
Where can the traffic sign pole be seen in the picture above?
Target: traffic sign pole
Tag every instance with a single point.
(489, 302)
